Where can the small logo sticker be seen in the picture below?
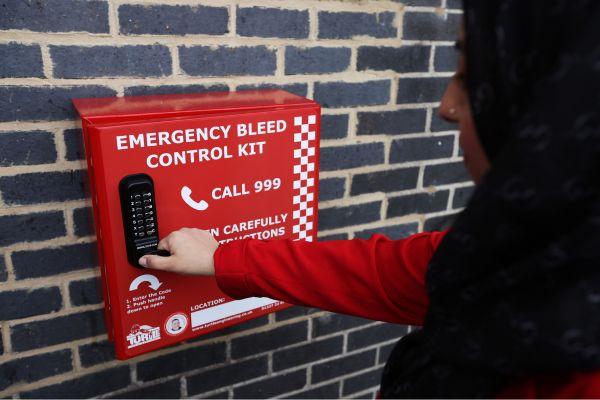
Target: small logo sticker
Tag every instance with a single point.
(176, 324)
(142, 334)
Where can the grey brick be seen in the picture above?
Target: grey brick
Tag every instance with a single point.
(439, 223)
(108, 61)
(337, 236)
(345, 25)
(338, 217)
(172, 20)
(457, 4)
(307, 353)
(293, 312)
(462, 196)
(362, 382)
(398, 59)
(96, 353)
(90, 385)
(271, 387)
(332, 323)
(31, 227)
(85, 292)
(58, 260)
(438, 124)
(41, 187)
(218, 395)
(334, 126)
(3, 277)
(83, 221)
(329, 391)
(173, 89)
(445, 59)
(420, 203)
(25, 103)
(180, 361)
(29, 369)
(351, 94)
(316, 60)
(26, 148)
(331, 188)
(421, 90)
(55, 16)
(264, 341)
(385, 181)
(299, 89)
(425, 148)
(443, 174)
(351, 156)
(393, 232)
(74, 143)
(23, 303)
(430, 26)
(218, 377)
(225, 61)
(34, 335)
(391, 122)
(272, 22)
(170, 389)
(20, 61)
(343, 366)
(374, 334)
(385, 351)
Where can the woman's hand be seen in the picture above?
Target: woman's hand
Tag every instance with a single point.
(192, 252)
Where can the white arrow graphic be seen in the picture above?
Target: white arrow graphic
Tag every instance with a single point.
(151, 279)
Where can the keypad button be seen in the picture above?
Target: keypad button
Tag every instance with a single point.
(138, 203)
(151, 232)
(147, 194)
(141, 234)
(150, 225)
(140, 222)
(137, 197)
(149, 213)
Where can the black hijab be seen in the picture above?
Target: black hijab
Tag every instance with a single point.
(514, 286)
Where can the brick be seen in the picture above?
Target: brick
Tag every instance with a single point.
(180, 361)
(351, 156)
(20, 61)
(316, 60)
(85, 292)
(299, 89)
(170, 389)
(307, 353)
(462, 196)
(346, 25)
(338, 217)
(74, 144)
(438, 124)
(342, 366)
(173, 89)
(28, 369)
(225, 61)
(264, 341)
(293, 312)
(391, 122)
(446, 58)
(444, 174)
(430, 26)
(26, 148)
(337, 236)
(333, 323)
(25, 103)
(351, 94)
(331, 188)
(395, 232)
(359, 383)
(41, 187)
(57, 16)
(385, 351)
(96, 353)
(423, 148)
(439, 223)
(34, 335)
(83, 221)
(271, 387)
(57, 260)
(219, 377)
(421, 90)
(385, 181)
(329, 391)
(31, 227)
(218, 395)
(109, 61)
(272, 22)
(419, 203)
(173, 20)
(457, 4)
(3, 277)
(24, 303)
(374, 334)
(90, 385)
(398, 59)
(334, 126)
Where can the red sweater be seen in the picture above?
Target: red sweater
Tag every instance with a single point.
(379, 279)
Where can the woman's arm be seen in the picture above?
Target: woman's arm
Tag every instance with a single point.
(378, 278)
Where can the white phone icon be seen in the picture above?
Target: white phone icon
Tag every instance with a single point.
(186, 193)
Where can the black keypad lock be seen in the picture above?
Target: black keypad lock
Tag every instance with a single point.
(140, 224)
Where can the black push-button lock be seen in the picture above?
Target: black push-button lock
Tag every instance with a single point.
(138, 206)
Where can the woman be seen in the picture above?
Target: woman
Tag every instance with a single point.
(509, 298)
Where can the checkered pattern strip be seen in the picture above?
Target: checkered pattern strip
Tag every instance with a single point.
(304, 177)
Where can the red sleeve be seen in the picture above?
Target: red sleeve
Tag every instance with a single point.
(378, 278)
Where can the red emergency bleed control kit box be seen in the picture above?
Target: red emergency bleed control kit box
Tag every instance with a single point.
(239, 164)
